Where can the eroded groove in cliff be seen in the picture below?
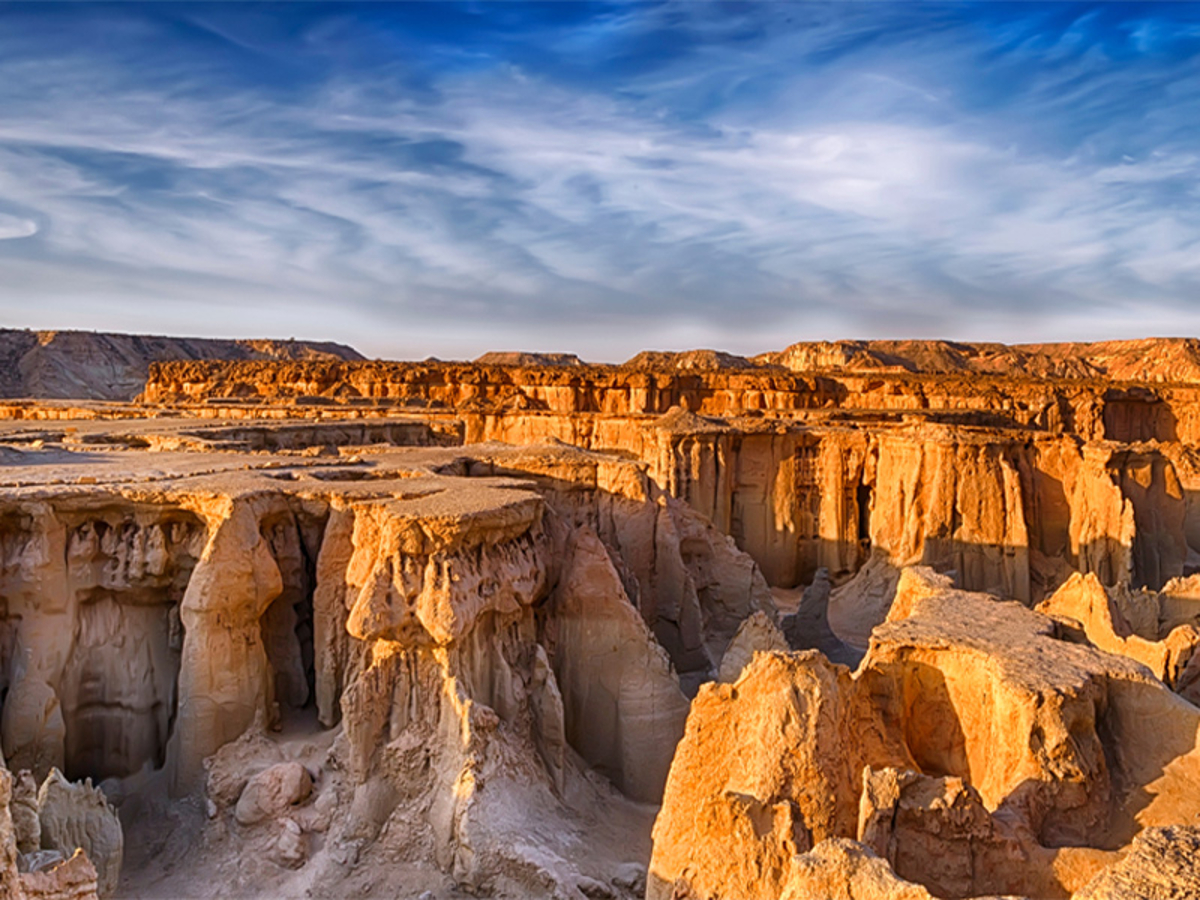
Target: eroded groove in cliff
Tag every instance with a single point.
(127, 570)
(294, 534)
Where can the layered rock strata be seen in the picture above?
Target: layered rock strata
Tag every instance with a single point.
(1012, 482)
(1129, 410)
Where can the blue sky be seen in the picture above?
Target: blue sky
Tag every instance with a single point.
(601, 178)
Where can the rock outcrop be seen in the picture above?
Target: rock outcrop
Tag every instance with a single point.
(271, 792)
(757, 634)
(768, 768)
(841, 869)
(77, 816)
(1104, 618)
(1162, 864)
(975, 750)
(73, 818)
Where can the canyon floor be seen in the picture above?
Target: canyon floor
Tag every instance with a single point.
(857, 620)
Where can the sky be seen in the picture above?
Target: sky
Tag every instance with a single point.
(444, 179)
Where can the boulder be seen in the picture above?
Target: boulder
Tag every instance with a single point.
(272, 792)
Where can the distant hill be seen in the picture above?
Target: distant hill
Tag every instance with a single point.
(1145, 359)
(527, 359)
(88, 365)
(688, 359)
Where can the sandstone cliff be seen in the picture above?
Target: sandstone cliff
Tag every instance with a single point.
(973, 749)
(494, 637)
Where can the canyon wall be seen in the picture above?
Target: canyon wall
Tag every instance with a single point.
(1091, 408)
(532, 622)
(1011, 481)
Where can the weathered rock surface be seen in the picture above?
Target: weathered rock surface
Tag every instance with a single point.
(841, 869)
(622, 705)
(757, 634)
(71, 879)
(1163, 863)
(978, 751)
(77, 816)
(272, 792)
(1074, 761)
(768, 767)
(808, 627)
(33, 873)
(1104, 618)
(27, 825)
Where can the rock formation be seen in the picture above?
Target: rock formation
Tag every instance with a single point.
(757, 634)
(1162, 864)
(486, 633)
(48, 842)
(808, 627)
(78, 817)
(529, 627)
(1150, 359)
(974, 749)
(1104, 619)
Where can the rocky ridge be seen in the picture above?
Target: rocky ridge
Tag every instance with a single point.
(88, 365)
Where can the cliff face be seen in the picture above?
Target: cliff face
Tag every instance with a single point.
(1092, 405)
(520, 620)
(1009, 481)
(97, 366)
(328, 627)
(1007, 794)
(1008, 513)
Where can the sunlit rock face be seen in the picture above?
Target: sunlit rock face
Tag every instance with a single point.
(479, 639)
(955, 456)
(975, 749)
(904, 620)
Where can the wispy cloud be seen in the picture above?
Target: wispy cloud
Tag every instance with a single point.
(632, 175)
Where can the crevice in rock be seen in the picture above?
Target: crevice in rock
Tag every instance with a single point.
(294, 538)
(128, 570)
